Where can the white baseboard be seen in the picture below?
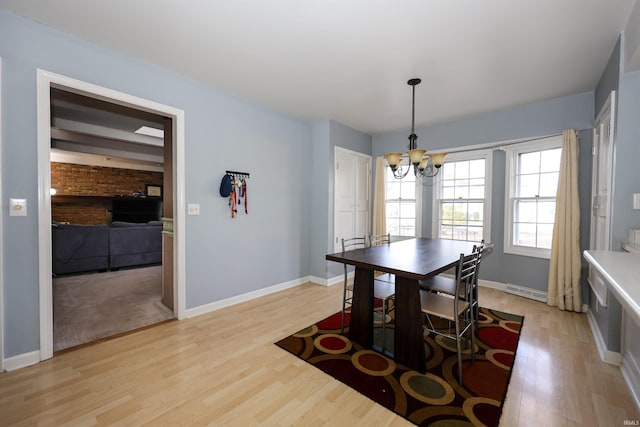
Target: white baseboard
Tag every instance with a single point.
(21, 360)
(606, 356)
(328, 282)
(217, 305)
(631, 374)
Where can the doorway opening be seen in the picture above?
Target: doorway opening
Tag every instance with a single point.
(57, 92)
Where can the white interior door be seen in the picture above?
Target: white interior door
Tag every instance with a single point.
(601, 191)
(352, 173)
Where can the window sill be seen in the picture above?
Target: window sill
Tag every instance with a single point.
(530, 252)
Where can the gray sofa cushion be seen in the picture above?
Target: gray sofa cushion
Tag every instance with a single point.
(137, 244)
(78, 248)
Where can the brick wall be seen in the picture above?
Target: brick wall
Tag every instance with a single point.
(83, 193)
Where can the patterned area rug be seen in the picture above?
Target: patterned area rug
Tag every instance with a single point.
(435, 397)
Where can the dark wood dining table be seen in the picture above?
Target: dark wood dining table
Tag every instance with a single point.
(410, 261)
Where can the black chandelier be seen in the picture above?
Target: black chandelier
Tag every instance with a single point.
(422, 168)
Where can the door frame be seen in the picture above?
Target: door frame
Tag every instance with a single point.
(46, 80)
(1, 238)
(608, 109)
(337, 149)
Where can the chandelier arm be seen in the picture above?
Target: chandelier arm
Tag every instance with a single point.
(422, 173)
(398, 172)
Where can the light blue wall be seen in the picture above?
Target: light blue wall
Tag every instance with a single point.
(225, 257)
(531, 120)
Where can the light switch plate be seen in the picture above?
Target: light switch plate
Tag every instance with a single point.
(193, 209)
(17, 207)
(636, 200)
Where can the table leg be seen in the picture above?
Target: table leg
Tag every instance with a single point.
(361, 326)
(408, 341)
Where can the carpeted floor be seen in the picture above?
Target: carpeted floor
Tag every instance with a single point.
(89, 307)
(432, 398)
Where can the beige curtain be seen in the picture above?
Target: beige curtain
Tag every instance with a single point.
(379, 214)
(564, 267)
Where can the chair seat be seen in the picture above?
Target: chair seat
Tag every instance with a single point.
(445, 285)
(441, 305)
(386, 277)
(383, 290)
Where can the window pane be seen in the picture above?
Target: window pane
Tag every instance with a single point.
(408, 210)
(446, 232)
(476, 168)
(524, 234)
(462, 192)
(550, 160)
(529, 163)
(448, 171)
(407, 227)
(546, 212)
(527, 186)
(476, 192)
(448, 192)
(475, 211)
(392, 210)
(462, 170)
(526, 211)
(408, 190)
(447, 211)
(475, 234)
(545, 233)
(393, 190)
(548, 184)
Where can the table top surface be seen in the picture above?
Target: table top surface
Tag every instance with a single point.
(418, 258)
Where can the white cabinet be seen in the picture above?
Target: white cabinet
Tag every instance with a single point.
(352, 172)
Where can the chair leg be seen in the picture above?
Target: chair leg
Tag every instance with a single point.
(459, 349)
(344, 307)
(384, 322)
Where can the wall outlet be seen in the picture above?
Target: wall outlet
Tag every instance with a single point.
(193, 209)
(17, 207)
(636, 200)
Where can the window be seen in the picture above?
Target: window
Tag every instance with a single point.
(402, 204)
(532, 181)
(462, 197)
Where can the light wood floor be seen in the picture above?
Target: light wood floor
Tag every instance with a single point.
(222, 368)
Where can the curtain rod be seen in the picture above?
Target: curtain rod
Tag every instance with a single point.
(501, 145)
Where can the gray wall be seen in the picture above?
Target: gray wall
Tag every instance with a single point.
(225, 257)
(526, 121)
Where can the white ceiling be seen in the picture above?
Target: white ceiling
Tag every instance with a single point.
(349, 60)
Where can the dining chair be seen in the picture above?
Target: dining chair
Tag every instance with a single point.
(447, 285)
(384, 285)
(452, 309)
(382, 290)
(347, 290)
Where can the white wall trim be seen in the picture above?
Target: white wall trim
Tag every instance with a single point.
(631, 374)
(22, 360)
(217, 305)
(606, 356)
(46, 80)
(1, 238)
(331, 280)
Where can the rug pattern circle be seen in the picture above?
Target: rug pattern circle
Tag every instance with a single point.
(434, 397)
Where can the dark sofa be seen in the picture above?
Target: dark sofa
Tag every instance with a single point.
(135, 244)
(82, 248)
(78, 248)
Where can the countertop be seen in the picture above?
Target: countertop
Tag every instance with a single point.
(621, 271)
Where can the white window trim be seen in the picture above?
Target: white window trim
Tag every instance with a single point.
(511, 160)
(418, 184)
(487, 155)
